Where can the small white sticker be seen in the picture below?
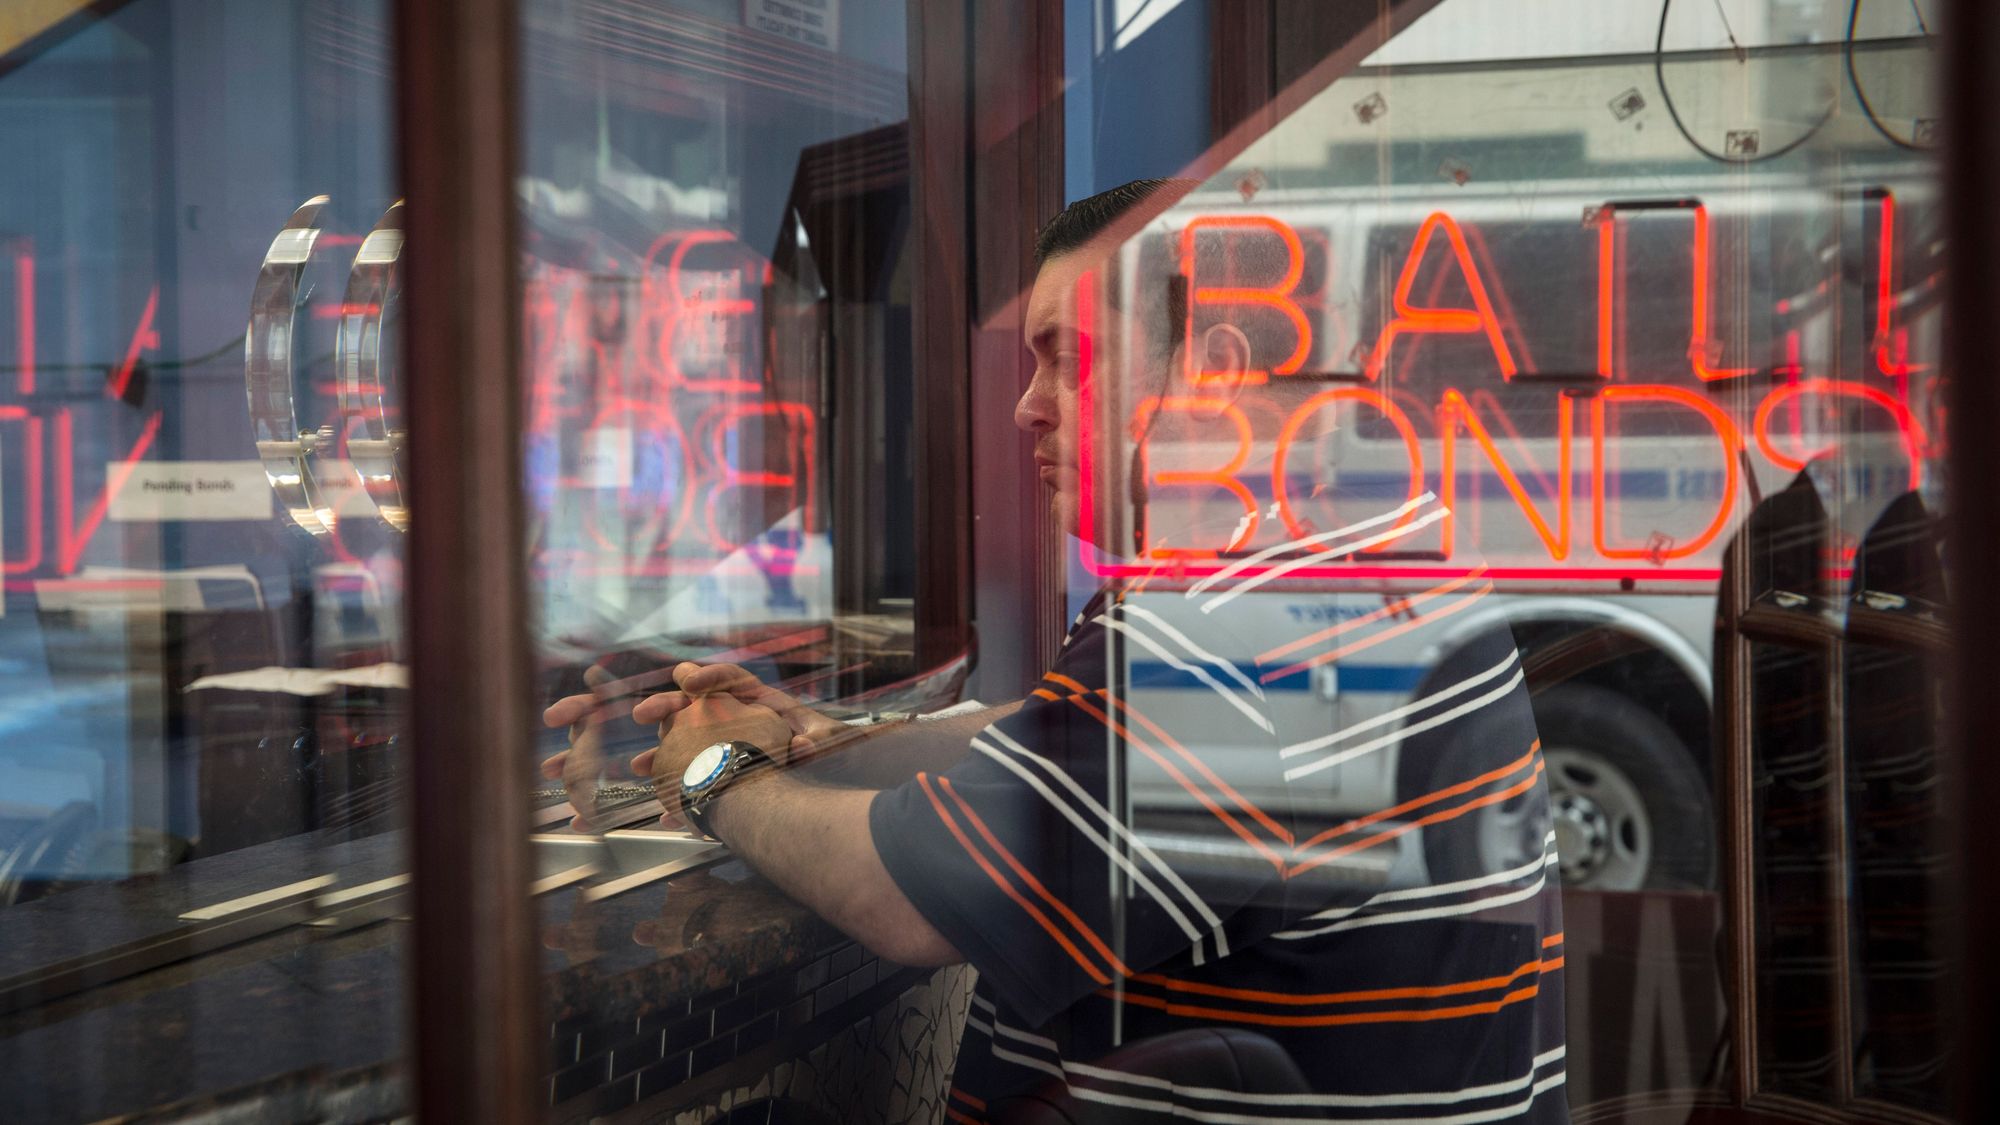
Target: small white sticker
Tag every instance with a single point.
(169, 491)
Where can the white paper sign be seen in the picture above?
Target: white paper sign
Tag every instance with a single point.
(606, 460)
(164, 491)
(816, 23)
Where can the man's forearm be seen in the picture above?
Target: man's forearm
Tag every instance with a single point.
(814, 843)
(886, 755)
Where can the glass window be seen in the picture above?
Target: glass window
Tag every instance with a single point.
(1618, 348)
(1214, 561)
(201, 826)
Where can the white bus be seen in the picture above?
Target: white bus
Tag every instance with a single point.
(1600, 379)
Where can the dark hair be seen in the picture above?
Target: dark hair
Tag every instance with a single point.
(1083, 221)
(1163, 312)
(1087, 218)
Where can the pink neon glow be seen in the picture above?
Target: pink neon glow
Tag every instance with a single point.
(24, 320)
(800, 424)
(1086, 410)
(676, 309)
(32, 459)
(72, 539)
(143, 338)
(646, 418)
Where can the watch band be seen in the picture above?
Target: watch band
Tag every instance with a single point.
(735, 757)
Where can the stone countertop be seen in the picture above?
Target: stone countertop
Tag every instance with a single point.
(241, 1018)
(225, 1025)
(644, 950)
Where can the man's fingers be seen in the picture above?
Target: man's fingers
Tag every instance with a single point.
(709, 679)
(569, 709)
(575, 711)
(642, 765)
(706, 679)
(656, 709)
(552, 766)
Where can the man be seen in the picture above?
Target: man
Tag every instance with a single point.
(1148, 844)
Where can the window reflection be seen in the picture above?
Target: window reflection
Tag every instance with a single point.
(1503, 499)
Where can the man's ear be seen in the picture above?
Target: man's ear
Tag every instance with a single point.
(1225, 357)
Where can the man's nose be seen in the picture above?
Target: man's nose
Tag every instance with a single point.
(1036, 412)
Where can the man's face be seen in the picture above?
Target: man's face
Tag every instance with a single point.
(1051, 408)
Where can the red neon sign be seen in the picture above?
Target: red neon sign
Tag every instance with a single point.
(144, 337)
(1891, 343)
(1288, 436)
(1725, 432)
(1703, 352)
(1910, 432)
(1223, 477)
(1275, 296)
(1412, 319)
(1548, 511)
(1453, 411)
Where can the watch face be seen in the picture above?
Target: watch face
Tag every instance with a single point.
(706, 766)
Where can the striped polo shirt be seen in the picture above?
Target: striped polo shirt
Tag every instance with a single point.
(1172, 834)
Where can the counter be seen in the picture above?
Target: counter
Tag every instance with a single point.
(709, 982)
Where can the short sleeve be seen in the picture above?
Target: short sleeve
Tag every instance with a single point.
(1017, 857)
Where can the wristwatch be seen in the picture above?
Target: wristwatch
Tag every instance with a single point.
(714, 769)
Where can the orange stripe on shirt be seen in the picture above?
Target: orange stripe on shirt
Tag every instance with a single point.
(1247, 836)
(1044, 693)
(1428, 798)
(1000, 881)
(1410, 992)
(1034, 884)
(1059, 678)
(968, 1099)
(961, 1118)
(1227, 790)
(1369, 618)
(1416, 1015)
(1552, 939)
(1438, 817)
(1374, 639)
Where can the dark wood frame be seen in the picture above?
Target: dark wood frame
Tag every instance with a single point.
(1971, 167)
(940, 206)
(1016, 173)
(473, 970)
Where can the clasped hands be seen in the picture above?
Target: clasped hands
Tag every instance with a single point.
(711, 703)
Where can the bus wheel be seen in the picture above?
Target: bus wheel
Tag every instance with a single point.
(1630, 808)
